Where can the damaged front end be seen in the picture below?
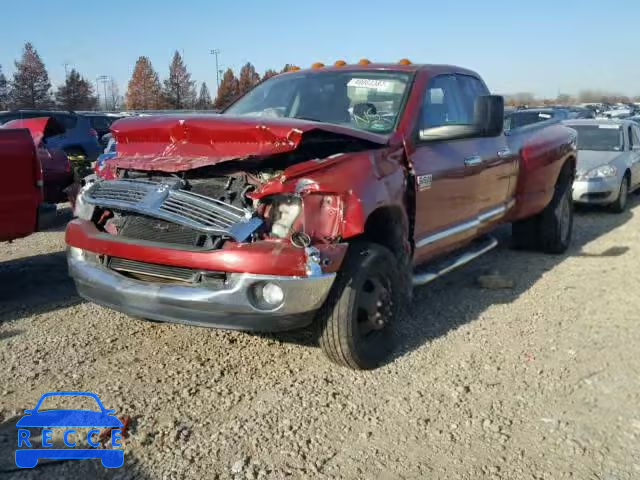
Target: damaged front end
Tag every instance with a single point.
(236, 242)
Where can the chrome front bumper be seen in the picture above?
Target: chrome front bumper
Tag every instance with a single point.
(597, 191)
(229, 306)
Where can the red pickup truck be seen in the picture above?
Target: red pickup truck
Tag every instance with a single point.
(321, 195)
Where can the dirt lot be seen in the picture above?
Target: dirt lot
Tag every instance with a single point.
(538, 381)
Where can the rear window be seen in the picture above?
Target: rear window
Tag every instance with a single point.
(523, 118)
(68, 121)
(602, 138)
(101, 123)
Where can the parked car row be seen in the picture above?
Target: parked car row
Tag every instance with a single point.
(81, 133)
(608, 166)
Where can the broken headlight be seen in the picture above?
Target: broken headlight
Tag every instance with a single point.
(284, 211)
(82, 209)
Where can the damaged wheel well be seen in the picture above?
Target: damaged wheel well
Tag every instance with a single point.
(386, 226)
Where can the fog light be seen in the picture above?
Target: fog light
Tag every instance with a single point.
(266, 296)
(272, 294)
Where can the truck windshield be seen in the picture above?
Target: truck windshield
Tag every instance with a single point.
(603, 138)
(365, 99)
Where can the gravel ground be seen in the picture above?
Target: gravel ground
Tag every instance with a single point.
(537, 381)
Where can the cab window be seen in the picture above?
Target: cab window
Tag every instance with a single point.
(450, 100)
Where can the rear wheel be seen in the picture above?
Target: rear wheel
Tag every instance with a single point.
(355, 320)
(550, 231)
(556, 223)
(620, 204)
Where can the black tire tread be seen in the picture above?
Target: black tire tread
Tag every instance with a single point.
(542, 232)
(549, 231)
(335, 334)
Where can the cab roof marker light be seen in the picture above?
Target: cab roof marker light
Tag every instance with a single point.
(404, 61)
(364, 61)
(317, 65)
(339, 63)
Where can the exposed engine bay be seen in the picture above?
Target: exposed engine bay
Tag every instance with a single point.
(205, 207)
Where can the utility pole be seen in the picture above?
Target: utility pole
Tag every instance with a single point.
(216, 52)
(104, 79)
(98, 93)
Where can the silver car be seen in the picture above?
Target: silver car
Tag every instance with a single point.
(608, 161)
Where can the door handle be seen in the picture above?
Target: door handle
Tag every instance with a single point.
(504, 153)
(473, 161)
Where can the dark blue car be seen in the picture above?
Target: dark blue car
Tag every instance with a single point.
(79, 139)
(69, 418)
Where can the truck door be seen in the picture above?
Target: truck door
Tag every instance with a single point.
(20, 195)
(447, 172)
(499, 164)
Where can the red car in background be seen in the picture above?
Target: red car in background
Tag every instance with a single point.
(56, 168)
(22, 210)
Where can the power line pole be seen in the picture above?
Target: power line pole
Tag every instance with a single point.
(216, 52)
(104, 79)
(98, 92)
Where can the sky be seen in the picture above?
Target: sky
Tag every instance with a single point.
(543, 46)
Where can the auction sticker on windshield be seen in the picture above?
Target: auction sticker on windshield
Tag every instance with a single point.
(70, 424)
(370, 83)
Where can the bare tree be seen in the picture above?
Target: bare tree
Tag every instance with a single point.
(268, 74)
(179, 90)
(228, 90)
(144, 91)
(204, 98)
(4, 91)
(249, 78)
(30, 87)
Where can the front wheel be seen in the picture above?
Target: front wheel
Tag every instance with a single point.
(354, 322)
(620, 204)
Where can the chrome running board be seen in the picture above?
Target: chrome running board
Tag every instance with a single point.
(428, 273)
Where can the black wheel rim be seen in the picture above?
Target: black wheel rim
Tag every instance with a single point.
(373, 311)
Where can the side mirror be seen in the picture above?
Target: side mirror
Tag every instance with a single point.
(488, 121)
(489, 115)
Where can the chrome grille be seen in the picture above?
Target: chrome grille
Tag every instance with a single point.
(167, 202)
(159, 272)
(120, 191)
(150, 229)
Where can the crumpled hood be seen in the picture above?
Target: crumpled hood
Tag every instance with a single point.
(173, 143)
(590, 159)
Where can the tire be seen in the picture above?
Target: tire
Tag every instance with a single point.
(550, 231)
(620, 205)
(354, 322)
(556, 221)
